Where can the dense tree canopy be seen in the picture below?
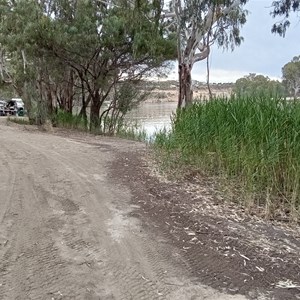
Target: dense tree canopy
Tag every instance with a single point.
(257, 85)
(57, 51)
(291, 77)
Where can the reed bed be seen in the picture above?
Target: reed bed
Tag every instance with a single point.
(254, 143)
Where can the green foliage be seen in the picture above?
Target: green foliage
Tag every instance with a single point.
(253, 142)
(6, 91)
(18, 120)
(257, 85)
(291, 76)
(225, 29)
(67, 120)
(199, 25)
(126, 97)
(67, 48)
(284, 8)
(131, 132)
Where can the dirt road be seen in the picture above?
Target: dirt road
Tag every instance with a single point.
(84, 217)
(67, 232)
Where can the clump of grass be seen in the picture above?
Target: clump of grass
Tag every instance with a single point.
(131, 132)
(19, 120)
(68, 120)
(252, 142)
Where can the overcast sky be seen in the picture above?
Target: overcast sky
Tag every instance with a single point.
(261, 52)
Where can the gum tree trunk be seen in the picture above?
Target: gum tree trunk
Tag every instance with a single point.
(95, 110)
(197, 30)
(185, 86)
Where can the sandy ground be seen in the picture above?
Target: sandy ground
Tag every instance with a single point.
(222, 245)
(66, 230)
(84, 217)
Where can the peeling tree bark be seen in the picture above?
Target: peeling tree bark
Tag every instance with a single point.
(185, 86)
(195, 36)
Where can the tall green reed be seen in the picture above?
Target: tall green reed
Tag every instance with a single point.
(68, 120)
(253, 142)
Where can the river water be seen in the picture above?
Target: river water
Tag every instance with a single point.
(152, 117)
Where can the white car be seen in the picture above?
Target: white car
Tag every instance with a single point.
(19, 102)
(2, 107)
(15, 107)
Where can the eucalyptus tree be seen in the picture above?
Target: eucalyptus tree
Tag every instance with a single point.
(199, 25)
(34, 72)
(283, 8)
(291, 76)
(257, 85)
(115, 45)
(17, 19)
(85, 44)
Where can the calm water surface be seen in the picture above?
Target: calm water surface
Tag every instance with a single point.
(153, 117)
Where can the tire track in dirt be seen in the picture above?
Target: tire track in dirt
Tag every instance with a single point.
(131, 281)
(7, 216)
(73, 233)
(8, 180)
(160, 282)
(218, 256)
(135, 279)
(34, 269)
(7, 186)
(130, 278)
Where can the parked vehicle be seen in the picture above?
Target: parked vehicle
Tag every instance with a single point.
(11, 108)
(15, 107)
(3, 108)
(21, 112)
(18, 102)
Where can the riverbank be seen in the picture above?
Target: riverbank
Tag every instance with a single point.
(221, 244)
(167, 91)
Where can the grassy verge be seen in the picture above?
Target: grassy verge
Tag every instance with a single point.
(19, 120)
(125, 130)
(132, 132)
(67, 120)
(252, 143)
